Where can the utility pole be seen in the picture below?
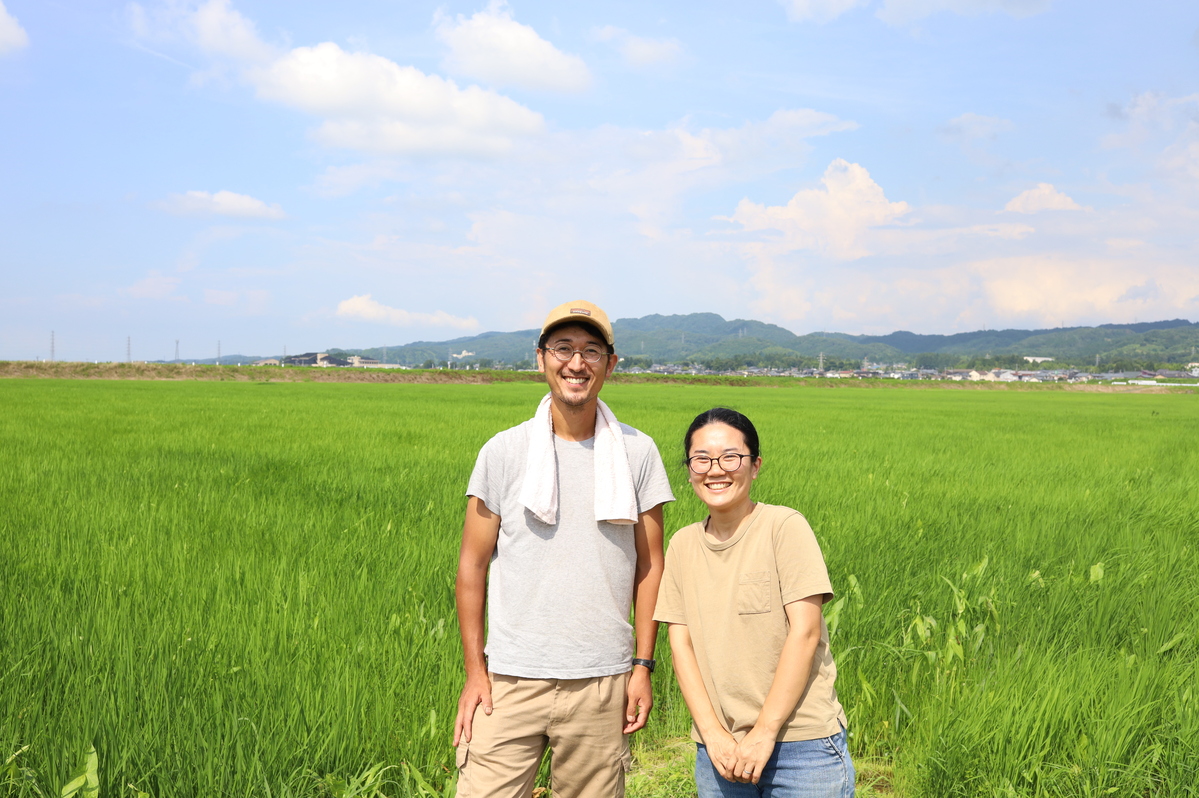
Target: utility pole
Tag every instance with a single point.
(52, 346)
(822, 361)
(176, 350)
(218, 353)
(129, 349)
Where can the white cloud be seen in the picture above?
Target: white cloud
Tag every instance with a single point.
(220, 30)
(970, 127)
(651, 171)
(493, 47)
(1046, 288)
(154, 285)
(214, 27)
(832, 220)
(818, 10)
(222, 203)
(1042, 198)
(903, 12)
(364, 308)
(12, 36)
(640, 51)
(214, 296)
(373, 104)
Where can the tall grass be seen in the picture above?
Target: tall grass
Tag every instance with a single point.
(246, 589)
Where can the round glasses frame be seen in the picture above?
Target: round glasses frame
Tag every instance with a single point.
(729, 462)
(565, 353)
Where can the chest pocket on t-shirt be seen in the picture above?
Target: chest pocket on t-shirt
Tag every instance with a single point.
(753, 593)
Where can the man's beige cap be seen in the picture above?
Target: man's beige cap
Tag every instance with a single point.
(583, 312)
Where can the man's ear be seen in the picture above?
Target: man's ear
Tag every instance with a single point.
(541, 361)
(612, 359)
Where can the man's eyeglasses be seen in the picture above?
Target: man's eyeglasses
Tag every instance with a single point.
(729, 462)
(591, 354)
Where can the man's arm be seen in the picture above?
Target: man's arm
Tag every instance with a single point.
(479, 534)
(647, 534)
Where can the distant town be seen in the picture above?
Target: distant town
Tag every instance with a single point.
(1040, 370)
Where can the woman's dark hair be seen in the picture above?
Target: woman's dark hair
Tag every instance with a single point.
(723, 415)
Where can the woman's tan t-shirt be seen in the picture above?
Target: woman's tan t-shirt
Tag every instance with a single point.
(730, 595)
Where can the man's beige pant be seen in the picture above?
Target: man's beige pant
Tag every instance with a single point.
(581, 721)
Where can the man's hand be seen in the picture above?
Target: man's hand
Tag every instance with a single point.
(477, 691)
(752, 754)
(639, 699)
(722, 750)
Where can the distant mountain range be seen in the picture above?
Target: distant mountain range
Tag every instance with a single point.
(703, 337)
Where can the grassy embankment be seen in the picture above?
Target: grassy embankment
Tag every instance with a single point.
(246, 588)
(184, 371)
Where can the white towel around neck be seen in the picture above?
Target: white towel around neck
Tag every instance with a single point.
(615, 497)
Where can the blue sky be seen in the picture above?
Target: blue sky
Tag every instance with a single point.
(316, 175)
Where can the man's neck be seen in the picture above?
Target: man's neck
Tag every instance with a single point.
(574, 423)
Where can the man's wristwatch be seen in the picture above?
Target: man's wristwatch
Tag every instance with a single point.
(648, 663)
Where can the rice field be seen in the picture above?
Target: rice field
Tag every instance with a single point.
(246, 589)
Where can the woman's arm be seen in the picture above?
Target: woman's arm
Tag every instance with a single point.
(720, 744)
(790, 678)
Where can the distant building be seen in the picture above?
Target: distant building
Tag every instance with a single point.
(362, 362)
(270, 361)
(1035, 359)
(321, 359)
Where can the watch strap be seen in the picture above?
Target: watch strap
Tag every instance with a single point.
(649, 664)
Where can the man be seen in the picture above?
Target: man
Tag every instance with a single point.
(563, 532)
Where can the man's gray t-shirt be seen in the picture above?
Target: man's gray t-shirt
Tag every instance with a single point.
(558, 596)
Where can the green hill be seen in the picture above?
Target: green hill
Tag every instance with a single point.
(708, 337)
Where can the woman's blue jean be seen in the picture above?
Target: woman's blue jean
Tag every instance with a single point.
(805, 769)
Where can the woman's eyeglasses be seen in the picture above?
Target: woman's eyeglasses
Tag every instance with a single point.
(729, 462)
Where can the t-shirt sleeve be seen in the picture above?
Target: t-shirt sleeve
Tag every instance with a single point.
(649, 475)
(488, 477)
(801, 568)
(670, 607)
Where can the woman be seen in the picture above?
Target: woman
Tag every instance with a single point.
(742, 593)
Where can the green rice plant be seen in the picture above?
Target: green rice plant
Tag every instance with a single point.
(232, 586)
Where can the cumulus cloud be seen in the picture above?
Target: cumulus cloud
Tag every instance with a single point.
(832, 219)
(650, 171)
(818, 10)
(367, 102)
(1046, 288)
(903, 12)
(222, 203)
(1042, 198)
(12, 36)
(221, 30)
(364, 308)
(972, 127)
(640, 51)
(214, 27)
(214, 296)
(155, 285)
(492, 47)
(373, 104)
